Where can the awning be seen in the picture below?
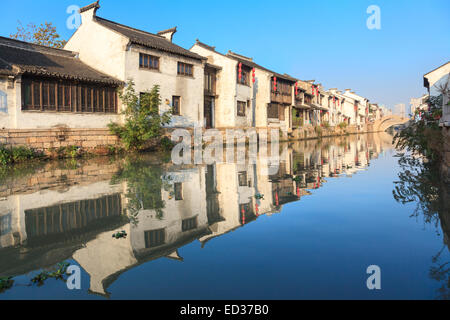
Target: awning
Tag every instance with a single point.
(318, 107)
(303, 106)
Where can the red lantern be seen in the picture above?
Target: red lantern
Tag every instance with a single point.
(296, 88)
(240, 71)
(275, 84)
(334, 99)
(254, 75)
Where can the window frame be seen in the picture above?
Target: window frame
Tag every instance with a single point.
(62, 96)
(150, 59)
(242, 112)
(185, 69)
(178, 109)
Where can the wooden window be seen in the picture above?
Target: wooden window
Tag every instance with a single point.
(66, 217)
(147, 61)
(241, 106)
(50, 95)
(176, 105)
(155, 238)
(26, 96)
(242, 178)
(188, 224)
(5, 224)
(272, 111)
(245, 75)
(178, 189)
(185, 69)
(210, 82)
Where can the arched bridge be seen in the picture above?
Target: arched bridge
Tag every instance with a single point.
(386, 122)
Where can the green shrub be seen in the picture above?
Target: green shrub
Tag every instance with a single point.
(342, 125)
(10, 155)
(143, 120)
(20, 154)
(5, 156)
(166, 144)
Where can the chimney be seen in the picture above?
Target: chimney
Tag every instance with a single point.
(168, 34)
(88, 12)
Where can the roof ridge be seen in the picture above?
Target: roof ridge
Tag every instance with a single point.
(37, 47)
(133, 29)
(202, 44)
(95, 5)
(166, 31)
(239, 55)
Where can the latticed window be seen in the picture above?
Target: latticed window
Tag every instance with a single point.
(176, 105)
(155, 238)
(241, 106)
(272, 111)
(242, 177)
(185, 69)
(65, 96)
(178, 188)
(147, 61)
(189, 224)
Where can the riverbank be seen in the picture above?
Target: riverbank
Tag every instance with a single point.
(18, 146)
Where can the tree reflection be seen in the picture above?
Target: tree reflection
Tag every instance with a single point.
(144, 184)
(420, 182)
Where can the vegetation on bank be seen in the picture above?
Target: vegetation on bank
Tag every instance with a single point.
(12, 155)
(424, 136)
(420, 148)
(143, 128)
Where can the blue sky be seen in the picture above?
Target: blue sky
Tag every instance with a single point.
(323, 40)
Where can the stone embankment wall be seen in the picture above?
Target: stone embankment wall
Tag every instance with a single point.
(58, 175)
(93, 140)
(99, 141)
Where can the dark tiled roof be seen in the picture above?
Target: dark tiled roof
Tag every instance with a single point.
(174, 29)
(95, 5)
(147, 39)
(6, 69)
(204, 45)
(246, 61)
(18, 57)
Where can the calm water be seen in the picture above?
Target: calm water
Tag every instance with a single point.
(329, 210)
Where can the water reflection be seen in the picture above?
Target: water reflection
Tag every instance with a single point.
(420, 182)
(61, 211)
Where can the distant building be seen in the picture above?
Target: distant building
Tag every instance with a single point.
(438, 83)
(419, 104)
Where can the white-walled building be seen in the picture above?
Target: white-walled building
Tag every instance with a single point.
(438, 83)
(147, 59)
(42, 87)
(248, 95)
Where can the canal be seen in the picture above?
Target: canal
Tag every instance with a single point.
(307, 228)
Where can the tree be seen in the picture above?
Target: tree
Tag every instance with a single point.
(143, 122)
(45, 34)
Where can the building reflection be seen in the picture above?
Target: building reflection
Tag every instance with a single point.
(54, 213)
